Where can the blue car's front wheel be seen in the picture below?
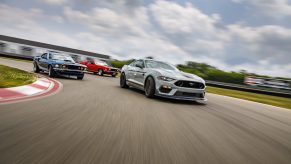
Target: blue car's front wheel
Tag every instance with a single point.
(80, 77)
(52, 72)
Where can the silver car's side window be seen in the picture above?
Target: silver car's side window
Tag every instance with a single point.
(139, 62)
(133, 64)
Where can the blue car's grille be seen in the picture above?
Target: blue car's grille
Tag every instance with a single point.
(73, 67)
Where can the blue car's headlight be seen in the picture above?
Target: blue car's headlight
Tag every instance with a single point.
(64, 66)
(57, 66)
(164, 78)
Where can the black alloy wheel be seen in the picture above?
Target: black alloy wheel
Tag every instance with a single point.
(123, 81)
(150, 87)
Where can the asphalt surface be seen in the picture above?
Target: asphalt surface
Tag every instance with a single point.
(95, 121)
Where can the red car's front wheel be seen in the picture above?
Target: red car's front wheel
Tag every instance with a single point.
(100, 72)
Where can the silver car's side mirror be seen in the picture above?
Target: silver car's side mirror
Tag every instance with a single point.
(139, 66)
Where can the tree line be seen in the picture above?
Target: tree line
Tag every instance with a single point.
(205, 71)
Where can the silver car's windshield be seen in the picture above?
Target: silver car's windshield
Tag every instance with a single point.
(58, 56)
(158, 64)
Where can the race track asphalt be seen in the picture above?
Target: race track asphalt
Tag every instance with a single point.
(95, 121)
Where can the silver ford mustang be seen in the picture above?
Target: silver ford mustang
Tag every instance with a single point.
(158, 78)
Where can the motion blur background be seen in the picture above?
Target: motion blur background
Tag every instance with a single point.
(240, 47)
(234, 38)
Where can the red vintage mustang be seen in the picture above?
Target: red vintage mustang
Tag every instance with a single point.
(99, 67)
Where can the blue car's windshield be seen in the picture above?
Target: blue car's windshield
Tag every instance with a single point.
(62, 57)
(158, 64)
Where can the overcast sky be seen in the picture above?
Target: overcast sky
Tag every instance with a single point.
(254, 35)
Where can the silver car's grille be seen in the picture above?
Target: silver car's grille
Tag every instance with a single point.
(189, 84)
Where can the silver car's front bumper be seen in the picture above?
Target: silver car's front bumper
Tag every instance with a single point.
(179, 93)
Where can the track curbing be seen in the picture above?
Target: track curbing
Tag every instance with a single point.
(41, 88)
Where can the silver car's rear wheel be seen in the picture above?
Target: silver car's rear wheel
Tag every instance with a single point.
(123, 81)
(150, 87)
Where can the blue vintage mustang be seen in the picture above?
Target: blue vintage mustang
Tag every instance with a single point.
(58, 64)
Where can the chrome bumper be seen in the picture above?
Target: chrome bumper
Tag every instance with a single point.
(72, 70)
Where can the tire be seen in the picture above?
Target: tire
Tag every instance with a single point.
(52, 73)
(150, 87)
(123, 81)
(100, 72)
(80, 77)
(35, 68)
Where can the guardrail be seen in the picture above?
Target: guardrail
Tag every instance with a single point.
(267, 91)
(16, 56)
(253, 89)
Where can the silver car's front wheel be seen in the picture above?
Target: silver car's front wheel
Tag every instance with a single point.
(150, 87)
(123, 81)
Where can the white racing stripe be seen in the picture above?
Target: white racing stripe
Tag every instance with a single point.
(42, 83)
(27, 90)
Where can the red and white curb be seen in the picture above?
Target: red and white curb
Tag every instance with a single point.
(42, 87)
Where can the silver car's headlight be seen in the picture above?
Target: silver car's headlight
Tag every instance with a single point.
(164, 78)
(57, 66)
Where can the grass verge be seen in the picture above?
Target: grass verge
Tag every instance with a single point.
(13, 77)
(261, 98)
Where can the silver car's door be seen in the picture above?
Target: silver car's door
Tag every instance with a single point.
(140, 72)
(130, 71)
(133, 73)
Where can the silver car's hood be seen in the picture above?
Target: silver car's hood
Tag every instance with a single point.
(179, 75)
